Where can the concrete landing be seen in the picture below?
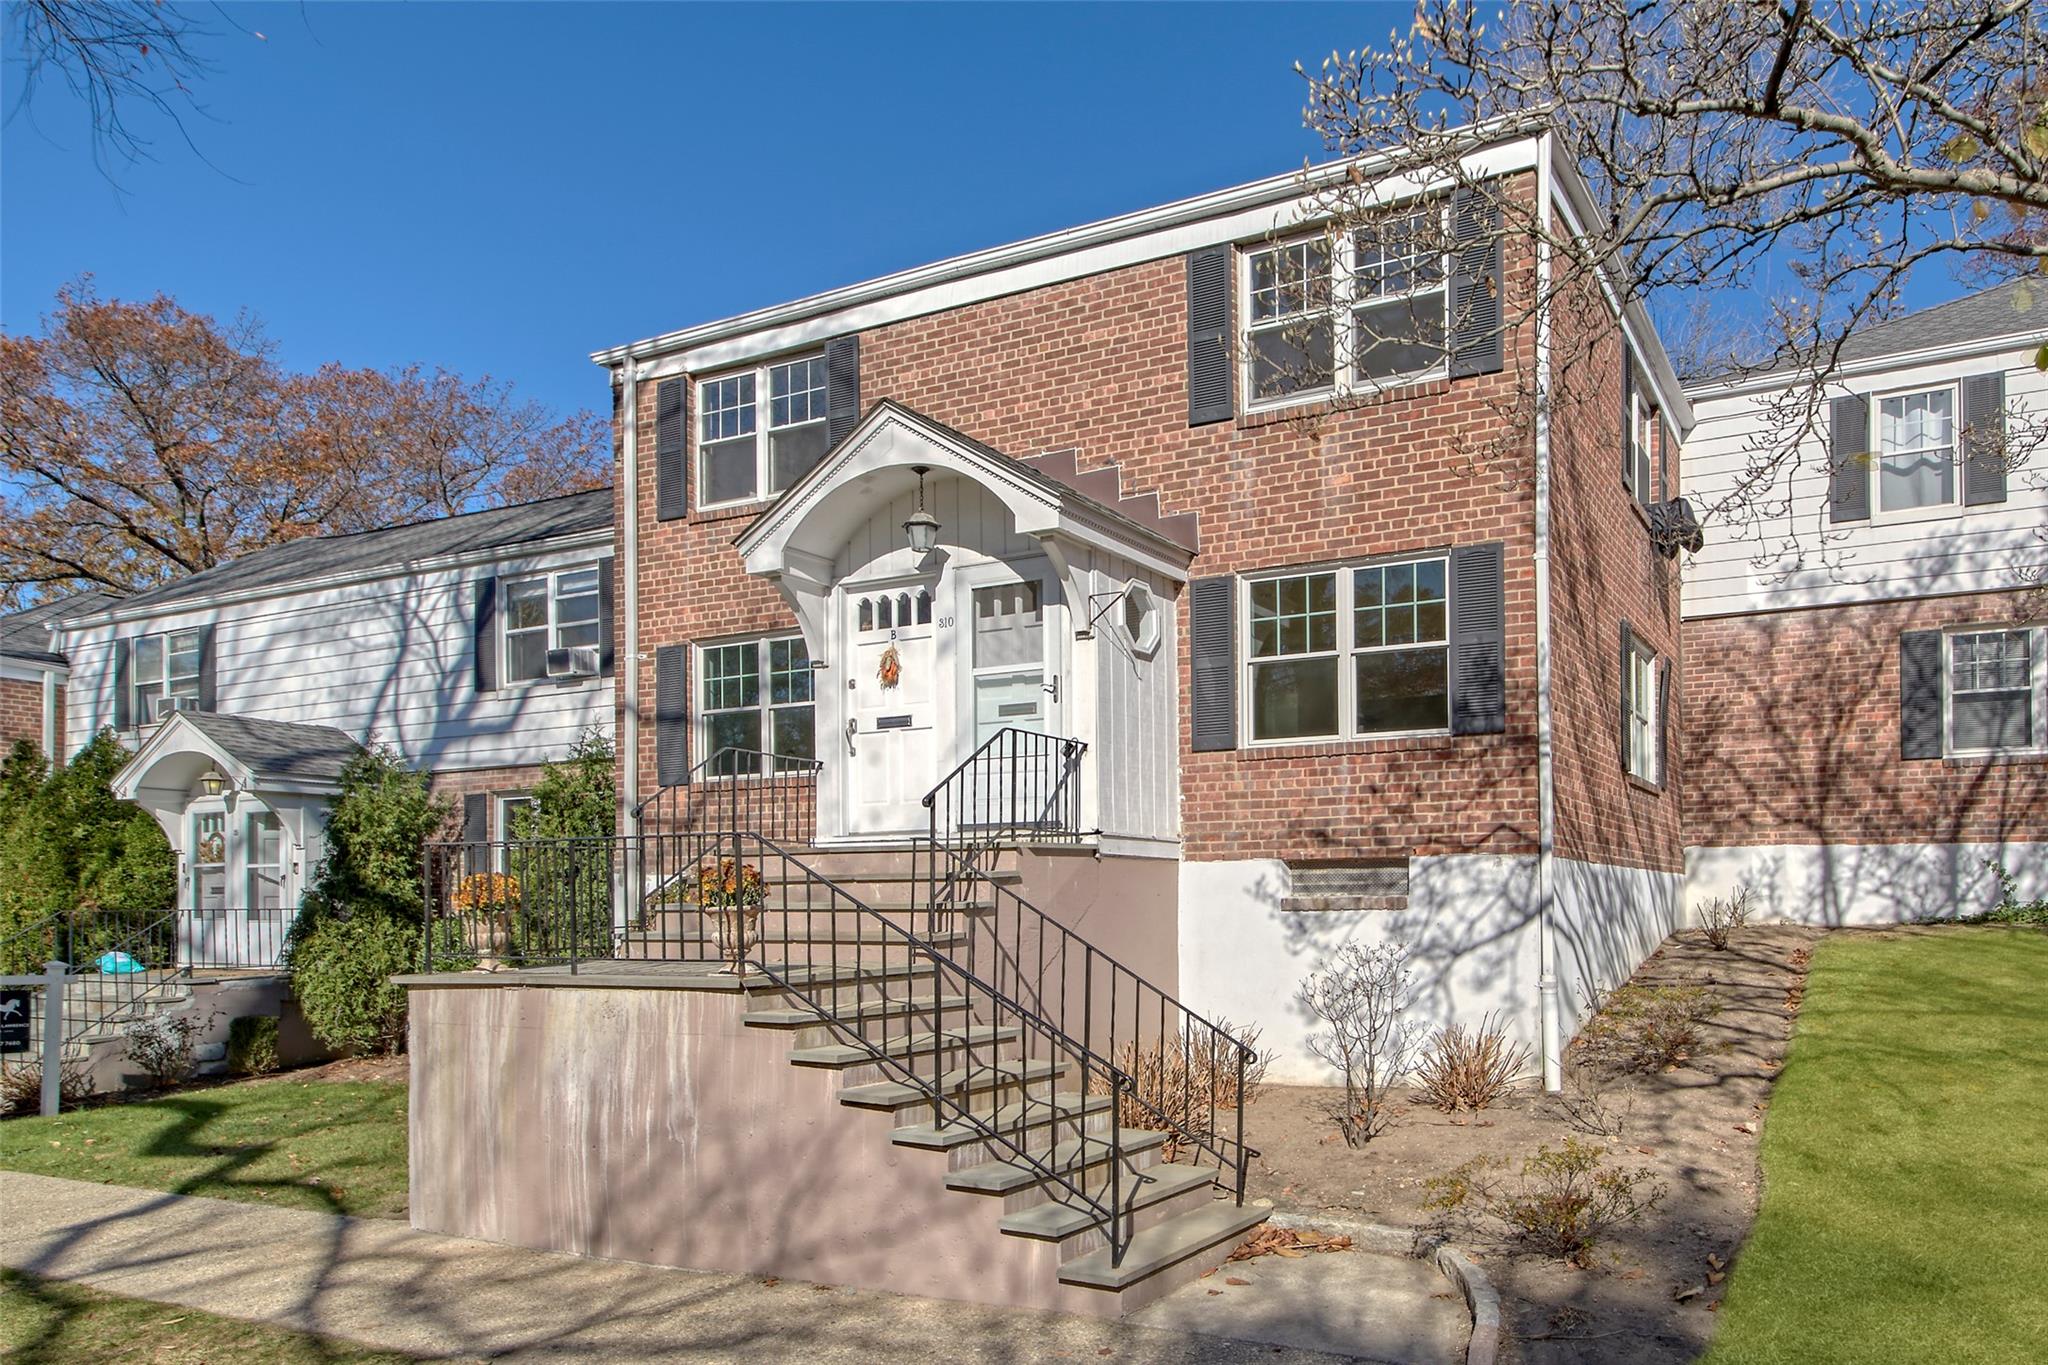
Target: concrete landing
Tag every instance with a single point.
(1391, 1309)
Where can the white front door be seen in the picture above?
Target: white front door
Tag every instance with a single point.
(891, 741)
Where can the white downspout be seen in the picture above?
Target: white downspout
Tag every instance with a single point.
(1546, 792)
(53, 743)
(629, 596)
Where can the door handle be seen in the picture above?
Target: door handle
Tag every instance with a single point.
(1052, 687)
(852, 729)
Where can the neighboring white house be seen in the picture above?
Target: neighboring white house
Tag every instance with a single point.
(476, 646)
(1867, 681)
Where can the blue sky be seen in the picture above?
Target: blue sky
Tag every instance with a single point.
(506, 187)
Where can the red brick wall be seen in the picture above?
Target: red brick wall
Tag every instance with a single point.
(1100, 364)
(21, 712)
(1603, 571)
(492, 781)
(1792, 734)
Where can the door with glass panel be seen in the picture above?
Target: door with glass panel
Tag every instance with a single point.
(890, 744)
(1016, 783)
(202, 921)
(260, 942)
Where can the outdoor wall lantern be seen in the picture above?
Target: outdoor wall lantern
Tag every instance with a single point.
(921, 526)
(213, 781)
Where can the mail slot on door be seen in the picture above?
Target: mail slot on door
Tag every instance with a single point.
(892, 722)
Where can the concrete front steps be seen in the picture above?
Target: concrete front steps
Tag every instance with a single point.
(1179, 1222)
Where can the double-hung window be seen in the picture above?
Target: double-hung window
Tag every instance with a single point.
(1291, 337)
(1916, 450)
(1995, 688)
(549, 611)
(1641, 453)
(1399, 307)
(164, 674)
(1639, 721)
(1387, 281)
(760, 430)
(1349, 652)
(755, 699)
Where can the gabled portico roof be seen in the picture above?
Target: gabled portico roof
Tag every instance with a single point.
(803, 527)
(254, 754)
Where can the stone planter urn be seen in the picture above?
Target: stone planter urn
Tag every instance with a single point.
(486, 901)
(732, 894)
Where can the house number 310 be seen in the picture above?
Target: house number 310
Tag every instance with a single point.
(945, 623)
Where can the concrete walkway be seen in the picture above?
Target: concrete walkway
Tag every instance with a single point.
(382, 1284)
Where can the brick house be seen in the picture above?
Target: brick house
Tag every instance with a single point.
(1866, 699)
(34, 672)
(1333, 684)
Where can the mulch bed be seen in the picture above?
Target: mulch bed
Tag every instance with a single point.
(1654, 1288)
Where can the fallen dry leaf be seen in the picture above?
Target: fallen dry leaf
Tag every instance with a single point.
(1716, 1276)
(1215, 1291)
(1716, 1261)
(1232, 1279)
(1745, 1127)
(1690, 1292)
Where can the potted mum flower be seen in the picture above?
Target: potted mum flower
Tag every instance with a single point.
(733, 891)
(486, 901)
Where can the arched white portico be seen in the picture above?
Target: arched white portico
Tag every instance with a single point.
(245, 804)
(1042, 607)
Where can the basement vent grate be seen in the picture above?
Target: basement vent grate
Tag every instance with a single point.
(1348, 886)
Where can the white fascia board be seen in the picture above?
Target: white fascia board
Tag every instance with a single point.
(1574, 199)
(24, 670)
(2019, 345)
(514, 557)
(1237, 214)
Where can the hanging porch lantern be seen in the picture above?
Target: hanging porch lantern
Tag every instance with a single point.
(921, 526)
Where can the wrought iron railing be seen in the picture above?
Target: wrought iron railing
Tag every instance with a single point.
(1177, 1069)
(120, 963)
(524, 902)
(773, 795)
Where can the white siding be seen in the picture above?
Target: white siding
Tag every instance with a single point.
(390, 660)
(1796, 558)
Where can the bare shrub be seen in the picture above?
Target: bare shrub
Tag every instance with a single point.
(1187, 1084)
(1593, 1100)
(162, 1045)
(1361, 997)
(1462, 1071)
(1649, 1028)
(1721, 916)
(1560, 1202)
(21, 1087)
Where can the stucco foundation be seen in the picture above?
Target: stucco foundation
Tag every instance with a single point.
(653, 1125)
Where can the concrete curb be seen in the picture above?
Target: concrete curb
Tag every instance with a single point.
(1481, 1299)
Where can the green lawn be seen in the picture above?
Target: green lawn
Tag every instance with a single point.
(44, 1321)
(331, 1146)
(1905, 1160)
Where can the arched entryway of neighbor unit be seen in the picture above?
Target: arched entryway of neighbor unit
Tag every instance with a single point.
(1015, 619)
(245, 803)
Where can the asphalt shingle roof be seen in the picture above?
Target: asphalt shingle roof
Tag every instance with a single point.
(25, 634)
(327, 556)
(279, 748)
(2016, 306)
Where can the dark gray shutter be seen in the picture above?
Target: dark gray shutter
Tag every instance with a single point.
(1664, 723)
(1212, 607)
(605, 656)
(208, 688)
(842, 388)
(1920, 688)
(476, 833)
(1667, 449)
(1628, 394)
(484, 633)
(1475, 333)
(124, 691)
(671, 715)
(1628, 636)
(1479, 699)
(1849, 458)
(671, 460)
(1984, 442)
(1210, 397)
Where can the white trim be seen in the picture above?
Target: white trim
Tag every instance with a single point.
(1851, 370)
(763, 374)
(553, 627)
(1164, 230)
(700, 714)
(510, 556)
(1550, 1030)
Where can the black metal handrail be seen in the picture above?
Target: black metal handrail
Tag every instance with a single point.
(120, 962)
(523, 902)
(1024, 786)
